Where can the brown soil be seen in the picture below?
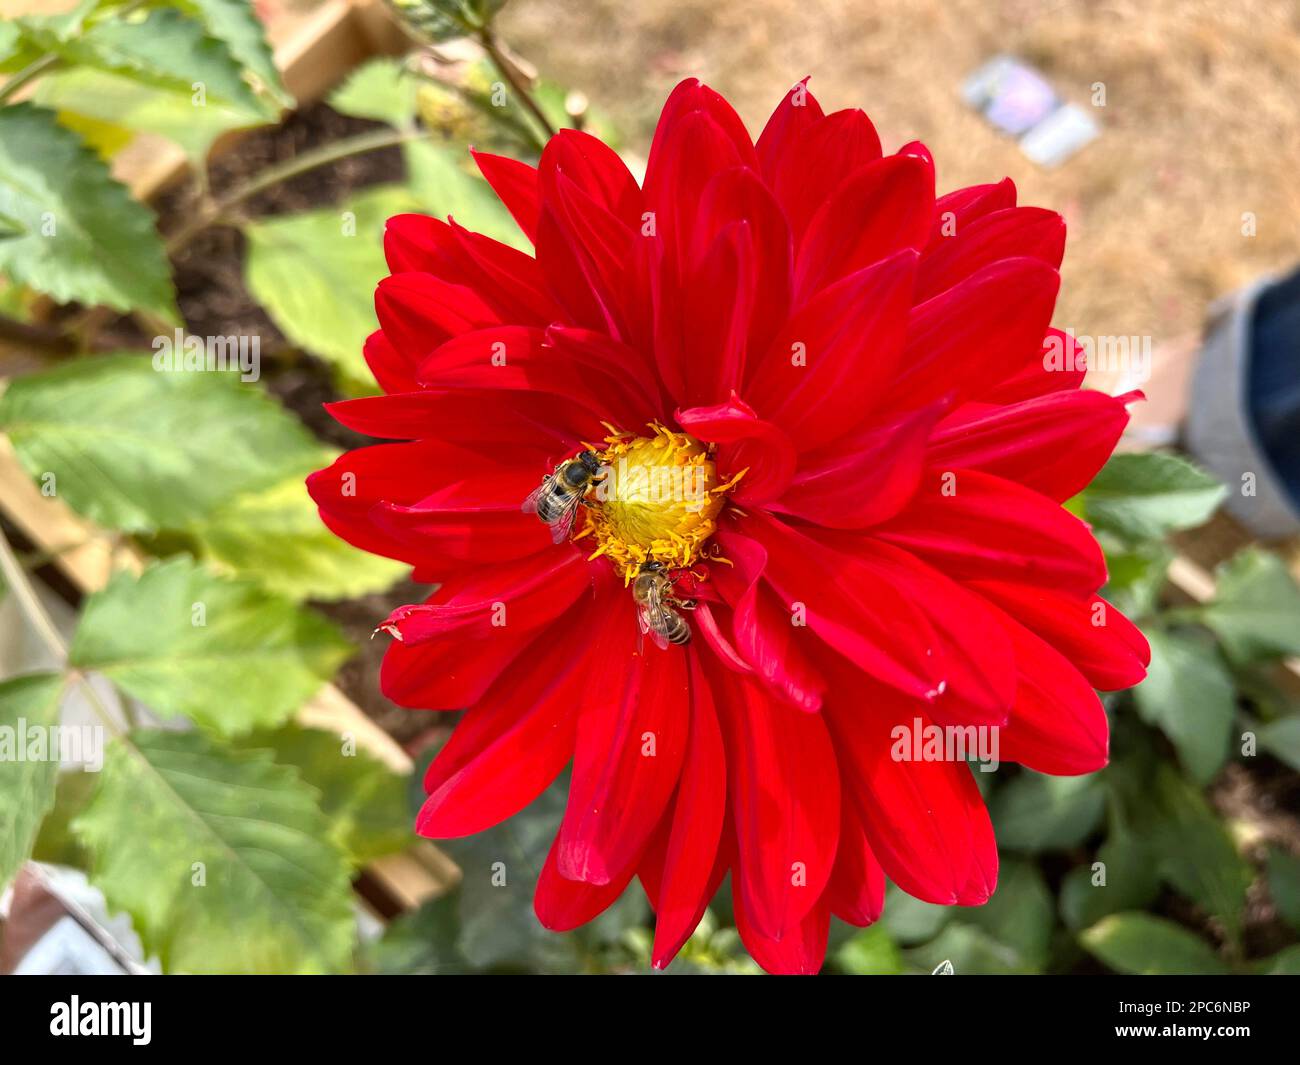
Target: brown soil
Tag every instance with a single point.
(1199, 126)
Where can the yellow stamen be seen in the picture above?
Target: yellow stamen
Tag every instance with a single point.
(659, 501)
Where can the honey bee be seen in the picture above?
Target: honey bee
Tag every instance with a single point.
(656, 607)
(556, 500)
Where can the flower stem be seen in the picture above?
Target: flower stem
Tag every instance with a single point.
(510, 72)
(215, 212)
(30, 72)
(29, 603)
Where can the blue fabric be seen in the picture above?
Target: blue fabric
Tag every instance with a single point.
(1273, 391)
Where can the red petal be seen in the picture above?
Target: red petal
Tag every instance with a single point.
(420, 311)
(479, 419)
(1006, 234)
(1062, 368)
(978, 332)
(1054, 444)
(523, 595)
(865, 478)
(707, 625)
(800, 952)
(925, 820)
(979, 664)
(1057, 724)
(827, 151)
(747, 442)
(468, 520)
(848, 601)
(856, 893)
(516, 184)
(836, 358)
(350, 489)
(1098, 640)
(956, 210)
(785, 797)
(393, 371)
(738, 195)
(504, 278)
(449, 674)
(884, 208)
(683, 888)
(563, 905)
(558, 362)
(509, 746)
(688, 102)
(632, 704)
(717, 303)
(774, 647)
(796, 112)
(973, 525)
(570, 279)
(594, 168)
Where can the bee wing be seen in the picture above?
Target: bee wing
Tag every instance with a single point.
(653, 617)
(641, 629)
(530, 504)
(563, 525)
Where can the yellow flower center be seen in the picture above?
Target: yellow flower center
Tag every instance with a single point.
(658, 501)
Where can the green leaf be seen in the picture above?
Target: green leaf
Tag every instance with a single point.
(1146, 495)
(1256, 611)
(1283, 963)
(224, 653)
(1019, 915)
(55, 843)
(167, 50)
(423, 942)
(1282, 740)
(220, 857)
(84, 238)
(1136, 578)
(972, 952)
(1149, 946)
(870, 952)
(380, 89)
(136, 449)
(315, 273)
(445, 187)
(1127, 880)
(1284, 885)
(1190, 697)
(910, 920)
(363, 800)
(1035, 812)
(236, 23)
(276, 537)
(1195, 853)
(441, 20)
(134, 107)
(29, 706)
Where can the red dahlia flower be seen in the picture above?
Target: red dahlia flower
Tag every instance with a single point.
(858, 384)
